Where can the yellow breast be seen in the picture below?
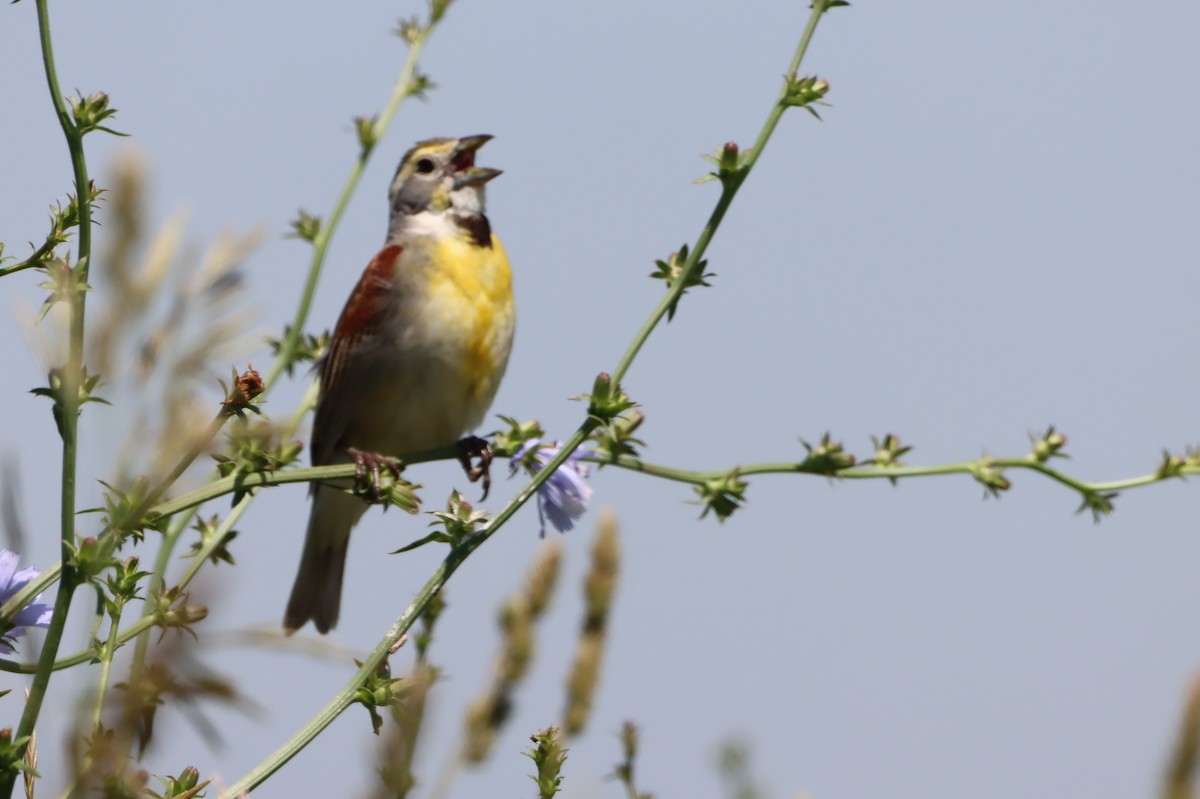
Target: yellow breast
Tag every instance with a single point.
(471, 313)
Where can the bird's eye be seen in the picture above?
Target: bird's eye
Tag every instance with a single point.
(425, 166)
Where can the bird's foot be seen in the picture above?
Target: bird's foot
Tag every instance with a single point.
(476, 447)
(371, 463)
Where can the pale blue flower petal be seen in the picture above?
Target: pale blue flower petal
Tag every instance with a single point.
(35, 614)
(564, 497)
(8, 568)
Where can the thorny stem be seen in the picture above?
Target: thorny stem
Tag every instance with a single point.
(729, 190)
(35, 260)
(876, 472)
(864, 472)
(157, 579)
(308, 474)
(403, 88)
(215, 540)
(106, 659)
(106, 655)
(143, 624)
(69, 407)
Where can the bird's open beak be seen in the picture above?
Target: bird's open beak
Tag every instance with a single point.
(465, 171)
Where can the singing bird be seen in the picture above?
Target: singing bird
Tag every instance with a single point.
(417, 354)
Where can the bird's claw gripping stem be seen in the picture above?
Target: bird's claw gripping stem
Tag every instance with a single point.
(476, 447)
(375, 463)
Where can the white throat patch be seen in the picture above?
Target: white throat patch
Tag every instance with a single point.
(467, 200)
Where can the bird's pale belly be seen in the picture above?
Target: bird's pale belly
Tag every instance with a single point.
(426, 402)
(433, 388)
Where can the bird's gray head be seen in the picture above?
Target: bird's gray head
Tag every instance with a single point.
(439, 175)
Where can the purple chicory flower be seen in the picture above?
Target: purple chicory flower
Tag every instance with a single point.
(35, 614)
(564, 497)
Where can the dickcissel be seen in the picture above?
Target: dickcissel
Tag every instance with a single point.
(417, 354)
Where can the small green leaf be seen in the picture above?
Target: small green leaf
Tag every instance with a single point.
(607, 400)
(676, 268)
(432, 538)
(507, 442)
(722, 495)
(1100, 503)
(305, 226)
(991, 478)
(826, 457)
(89, 112)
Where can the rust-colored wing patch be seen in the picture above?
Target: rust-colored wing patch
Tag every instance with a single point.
(369, 299)
(360, 319)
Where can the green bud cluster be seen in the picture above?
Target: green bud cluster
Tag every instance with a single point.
(89, 112)
(722, 495)
(676, 268)
(305, 226)
(607, 400)
(379, 689)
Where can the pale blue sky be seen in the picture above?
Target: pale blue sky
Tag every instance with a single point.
(993, 230)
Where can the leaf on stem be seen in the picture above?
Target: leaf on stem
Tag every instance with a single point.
(1100, 503)
(722, 495)
(826, 457)
(676, 268)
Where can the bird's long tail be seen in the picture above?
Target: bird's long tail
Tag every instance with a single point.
(317, 592)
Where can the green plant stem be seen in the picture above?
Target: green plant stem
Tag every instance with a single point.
(157, 578)
(106, 655)
(228, 485)
(729, 189)
(82, 657)
(69, 404)
(877, 472)
(345, 697)
(106, 659)
(402, 89)
(214, 541)
(38, 258)
(308, 474)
